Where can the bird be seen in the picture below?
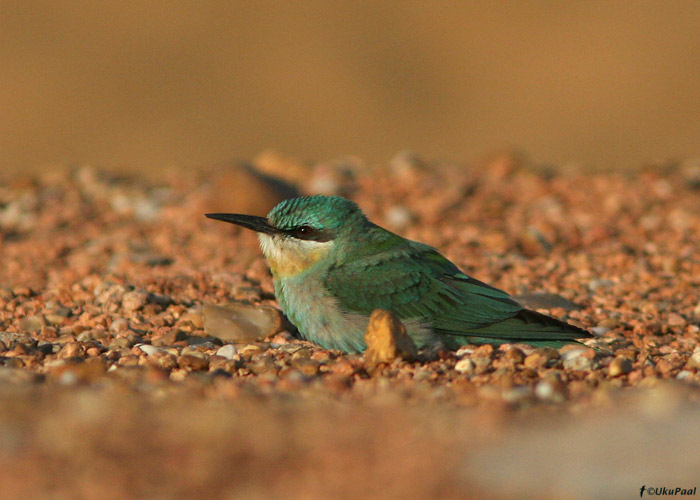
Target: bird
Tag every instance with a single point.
(331, 267)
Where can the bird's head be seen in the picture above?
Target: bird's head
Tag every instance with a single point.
(299, 232)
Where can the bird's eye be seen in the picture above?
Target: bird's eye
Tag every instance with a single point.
(304, 231)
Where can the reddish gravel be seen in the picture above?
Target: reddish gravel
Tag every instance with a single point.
(103, 280)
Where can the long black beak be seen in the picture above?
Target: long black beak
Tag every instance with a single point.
(253, 222)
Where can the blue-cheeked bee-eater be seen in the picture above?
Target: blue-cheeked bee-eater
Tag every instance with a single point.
(332, 267)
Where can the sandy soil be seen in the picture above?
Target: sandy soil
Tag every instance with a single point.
(114, 385)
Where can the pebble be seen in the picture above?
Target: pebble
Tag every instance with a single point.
(119, 325)
(308, 367)
(599, 331)
(464, 365)
(148, 349)
(168, 337)
(134, 300)
(515, 355)
(165, 360)
(192, 363)
(579, 363)
(262, 364)
(240, 322)
(386, 339)
(32, 323)
(228, 351)
(244, 189)
(694, 360)
(621, 365)
(547, 390)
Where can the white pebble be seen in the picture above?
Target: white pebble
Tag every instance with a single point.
(599, 331)
(465, 365)
(544, 390)
(227, 351)
(148, 349)
(572, 354)
(578, 363)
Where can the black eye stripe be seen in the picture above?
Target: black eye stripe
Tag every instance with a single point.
(306, 232)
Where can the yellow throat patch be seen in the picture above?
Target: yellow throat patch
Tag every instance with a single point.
(288, 257)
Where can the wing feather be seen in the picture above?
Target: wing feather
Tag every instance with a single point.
(417, 283)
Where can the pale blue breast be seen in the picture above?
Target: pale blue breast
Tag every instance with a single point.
(317, 316)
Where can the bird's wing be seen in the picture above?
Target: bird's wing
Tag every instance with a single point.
(416, 282)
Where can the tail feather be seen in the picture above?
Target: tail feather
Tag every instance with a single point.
(527, 327)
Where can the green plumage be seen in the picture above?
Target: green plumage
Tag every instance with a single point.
(416, 282)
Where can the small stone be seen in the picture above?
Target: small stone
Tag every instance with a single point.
(22, 291)
(192, 363)
(578, 362)
(148, 349)
(621, 365)
(168, 337)
(574, 352)
(596, 283)
(218, 363)
(484, 351)
(465, 365)
(301, 353)
(344, 367)
(120, 342)
(386, 339)
(194, 317)
(675, 319)
(119, 325)
(515, 355)
(248, 351)
(533, 243)
(664, 366)
(164, 360)
(128, 360)
(228, 351)
(694, 360)
(55, 318)
(540, 357)
(49, 332)
(609, 323)
(32, 323)
(544, 390)
(308, 367)
(134, 300)
(85, 336)
(244, 189)
(71, 350)
(599, 331)
(534, 360)
(262, 364)
(240, 322)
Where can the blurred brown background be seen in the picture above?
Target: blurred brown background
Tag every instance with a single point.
(151, 84)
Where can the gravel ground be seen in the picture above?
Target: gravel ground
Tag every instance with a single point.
(120, 382)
